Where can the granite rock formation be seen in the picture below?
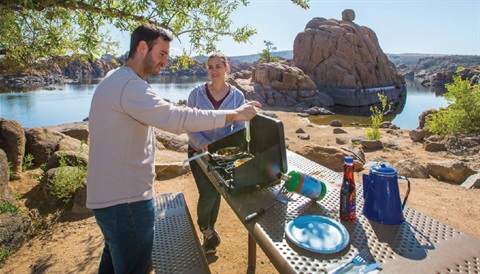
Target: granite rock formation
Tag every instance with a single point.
(282, 85)
(341, 55)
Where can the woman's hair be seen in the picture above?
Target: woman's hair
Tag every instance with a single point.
(219, 55)
(148, 33)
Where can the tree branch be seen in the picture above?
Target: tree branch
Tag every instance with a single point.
(81, 5)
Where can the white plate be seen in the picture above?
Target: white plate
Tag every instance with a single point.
(317, 234)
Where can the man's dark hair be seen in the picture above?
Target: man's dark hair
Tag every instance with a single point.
(148, 33)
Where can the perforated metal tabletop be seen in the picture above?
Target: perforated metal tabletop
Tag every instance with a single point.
(419, 245)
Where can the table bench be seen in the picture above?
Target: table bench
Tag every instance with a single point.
(176, 247)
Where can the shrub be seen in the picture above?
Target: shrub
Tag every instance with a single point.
(373, 132)
(27, 162)
(67, 180)
(17, 195)
(4, 253)
(462, 115)
(8, 207)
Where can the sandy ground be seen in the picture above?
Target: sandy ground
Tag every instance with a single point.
(73, 243)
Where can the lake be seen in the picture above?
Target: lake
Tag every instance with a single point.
(71, 103)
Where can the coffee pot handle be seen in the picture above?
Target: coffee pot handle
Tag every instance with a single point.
(408, 190)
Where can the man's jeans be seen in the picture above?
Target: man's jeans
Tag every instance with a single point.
(128, 234)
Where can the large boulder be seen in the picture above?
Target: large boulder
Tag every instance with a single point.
(282, 85)
(171, 141)
(346, 61)
(451, 171)
(12, 141)
(77, 130)
(41, 143)
(411, 169)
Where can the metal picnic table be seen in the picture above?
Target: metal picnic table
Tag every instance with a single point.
(419, 245)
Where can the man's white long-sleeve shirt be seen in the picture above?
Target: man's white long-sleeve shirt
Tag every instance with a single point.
(123, 112)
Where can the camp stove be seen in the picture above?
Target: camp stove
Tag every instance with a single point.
(267, 152)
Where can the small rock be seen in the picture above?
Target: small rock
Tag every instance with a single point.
(392, 145)
(356, 141)
(386, 124)
(417, 135)
(392, 126)
(434, 147)
(341, 141)
(304, 136)
(338, 131)
(473, 181)
(302, 114)
(336, 123)
(434, 138)
(372, 144)
(270, 114)
(170, 170)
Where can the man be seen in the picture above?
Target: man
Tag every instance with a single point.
(121, 169)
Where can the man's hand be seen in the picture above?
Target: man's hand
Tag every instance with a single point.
(205, 147)
(244, 113)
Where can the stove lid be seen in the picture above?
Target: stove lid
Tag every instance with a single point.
(267, 134)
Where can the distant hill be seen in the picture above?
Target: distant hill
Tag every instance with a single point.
(286, 54)
(434, 61)
(410, 59)
(404, 61)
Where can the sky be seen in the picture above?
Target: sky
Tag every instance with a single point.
(401, 26)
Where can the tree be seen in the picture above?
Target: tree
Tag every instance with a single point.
(265, 56)
(35, 30)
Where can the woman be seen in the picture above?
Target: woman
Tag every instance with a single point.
(216, 94)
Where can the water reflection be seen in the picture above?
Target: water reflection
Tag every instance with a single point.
(404, 112)
(7, 89)
(416, 86)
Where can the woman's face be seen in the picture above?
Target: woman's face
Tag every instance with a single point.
(216, 69)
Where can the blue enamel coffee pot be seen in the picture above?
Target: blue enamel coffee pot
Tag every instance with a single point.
(381, 195)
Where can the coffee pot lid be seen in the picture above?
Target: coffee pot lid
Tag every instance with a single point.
(383, 169)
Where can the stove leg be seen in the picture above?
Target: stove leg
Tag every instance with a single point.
(252, 253)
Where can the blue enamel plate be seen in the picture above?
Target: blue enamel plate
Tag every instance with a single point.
(317, 234)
